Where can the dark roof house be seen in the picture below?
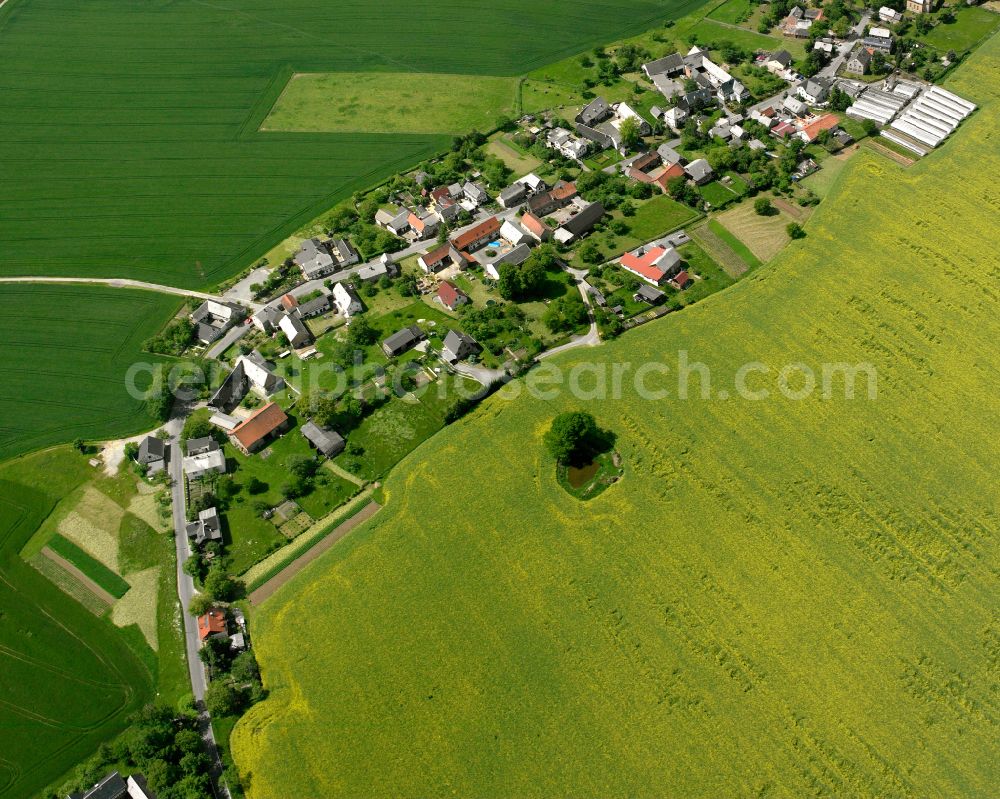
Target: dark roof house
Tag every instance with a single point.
(458, 346)
(207, 527)
(199, 446)
(326, 441)
(668, 65)
(596, 110)
(403, 340)
(577, 225)
(151, 451)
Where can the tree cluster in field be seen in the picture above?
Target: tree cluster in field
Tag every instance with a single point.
(528, 280)
(493, 326)
(283, 277)
(609, 324)
(612, 191)
(838, 15)
(764, 172)
(605, 68)
(574, 439)
(235, 678)
(165, 746)
(211, 569)
(174, 339)
(566, 314)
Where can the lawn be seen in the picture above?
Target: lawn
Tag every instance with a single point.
(823, 180)
(149, 159)
(540, 95)
(391, 102)
(732, 11)
(519, 163)
(755, 237)
(734, 243)
(781, 596)
(249, 538)
(717, 194)
(67, 350)
(70, 678)
(710, 33)
(652, 219)
(710, 276)
(401, 425)
(971, 26)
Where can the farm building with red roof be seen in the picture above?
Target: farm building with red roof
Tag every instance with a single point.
(257, 429)
(476, 237)
(654, 265)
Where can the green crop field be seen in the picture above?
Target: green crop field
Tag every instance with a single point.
(732, 11)
(69, 678)
(780, 598)
(391, 102)
(129, 131)
(90, 566)
(66, 350)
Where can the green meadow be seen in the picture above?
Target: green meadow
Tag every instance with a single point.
(791, 594)
(391, 102)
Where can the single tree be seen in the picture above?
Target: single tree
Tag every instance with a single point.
(630, 133)
(571, 438)
(200, 604)
(222, 698)
(762, 206)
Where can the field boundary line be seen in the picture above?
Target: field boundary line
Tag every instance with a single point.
(720, 251)
(94, 588)
(272, 585)
(269, 97)
(341, 472)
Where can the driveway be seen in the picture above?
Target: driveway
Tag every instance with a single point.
(589, 339)
(481, 374)
(121, 283)
(232, 335)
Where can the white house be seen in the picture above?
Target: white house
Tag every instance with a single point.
(197, 466)
(567, 144)
(889, 15)
(534, 183)
(512, 232)
(297, 333)
(346, 300)
(797, 107)
(675, 117)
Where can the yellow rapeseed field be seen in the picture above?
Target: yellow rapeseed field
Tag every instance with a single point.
(781, 598)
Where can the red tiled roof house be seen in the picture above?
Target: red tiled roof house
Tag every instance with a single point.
(655, 265)
(254, 432)
(450, 296)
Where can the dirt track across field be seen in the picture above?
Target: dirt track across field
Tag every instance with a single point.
(91, 586)
(307, 557)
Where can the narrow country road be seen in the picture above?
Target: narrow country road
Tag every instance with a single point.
(120, 283)
(589, 339)
(186, 590)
